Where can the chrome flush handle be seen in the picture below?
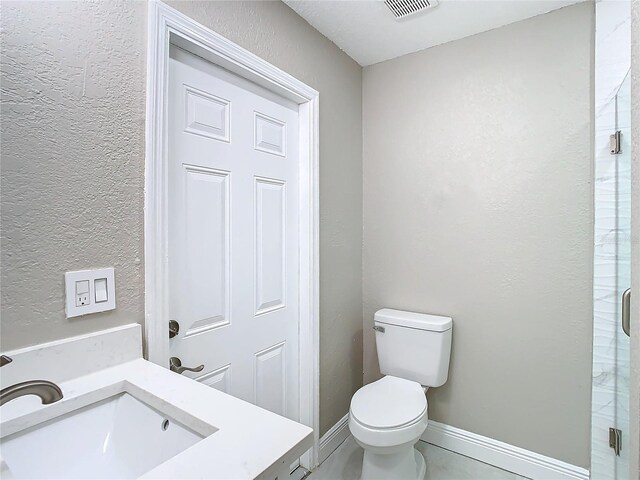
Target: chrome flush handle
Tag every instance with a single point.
(175, 365)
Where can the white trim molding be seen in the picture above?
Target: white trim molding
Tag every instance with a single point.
(167, 26)
(502, 455)
(334, 438)
(487, 450)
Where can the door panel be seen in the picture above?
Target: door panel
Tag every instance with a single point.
(206, 114)
(233, 233)
(270, 245)
(219, 379)
(270, 379)
(205, 236)
(270, 135)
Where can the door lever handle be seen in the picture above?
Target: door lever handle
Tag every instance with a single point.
(174, 328)
(626, 312)
(175, 365)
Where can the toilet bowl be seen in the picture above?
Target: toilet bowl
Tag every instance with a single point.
(388, 417)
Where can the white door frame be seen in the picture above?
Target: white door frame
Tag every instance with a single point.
(168, 26)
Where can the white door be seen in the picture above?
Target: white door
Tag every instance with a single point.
(233, 233)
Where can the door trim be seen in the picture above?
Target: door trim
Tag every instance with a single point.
(167, 26)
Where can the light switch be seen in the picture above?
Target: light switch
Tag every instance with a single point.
(100, 288)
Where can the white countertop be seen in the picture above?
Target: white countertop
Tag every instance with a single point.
(242, 441)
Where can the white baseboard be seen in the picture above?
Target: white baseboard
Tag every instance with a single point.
(493, 452)
(502, 455)
(333, 438)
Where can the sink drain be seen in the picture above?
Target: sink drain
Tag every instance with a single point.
(165, 424)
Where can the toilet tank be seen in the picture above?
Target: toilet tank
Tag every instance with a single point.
(413, 346)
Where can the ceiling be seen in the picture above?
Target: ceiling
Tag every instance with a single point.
(368, 32)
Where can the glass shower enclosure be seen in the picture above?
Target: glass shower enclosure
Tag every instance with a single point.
(612, 243)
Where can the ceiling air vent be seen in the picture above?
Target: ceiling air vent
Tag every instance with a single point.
(405, 8)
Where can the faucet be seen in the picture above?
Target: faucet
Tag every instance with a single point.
(48, 392)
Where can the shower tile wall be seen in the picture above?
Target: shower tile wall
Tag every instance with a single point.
(612, 237)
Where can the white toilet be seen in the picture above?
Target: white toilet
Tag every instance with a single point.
(388, 417)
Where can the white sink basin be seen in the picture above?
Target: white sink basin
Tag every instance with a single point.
(119, 437)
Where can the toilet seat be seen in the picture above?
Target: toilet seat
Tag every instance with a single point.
(389, 403)
(389, 413)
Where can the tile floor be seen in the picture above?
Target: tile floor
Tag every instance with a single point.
(346, 463)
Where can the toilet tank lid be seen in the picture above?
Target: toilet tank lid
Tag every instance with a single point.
(421, 321)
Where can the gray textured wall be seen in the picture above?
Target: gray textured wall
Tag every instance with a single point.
(73, 77)
(478, 203)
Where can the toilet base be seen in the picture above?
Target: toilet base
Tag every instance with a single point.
(408, 463)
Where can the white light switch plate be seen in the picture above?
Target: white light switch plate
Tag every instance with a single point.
(82, 303)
